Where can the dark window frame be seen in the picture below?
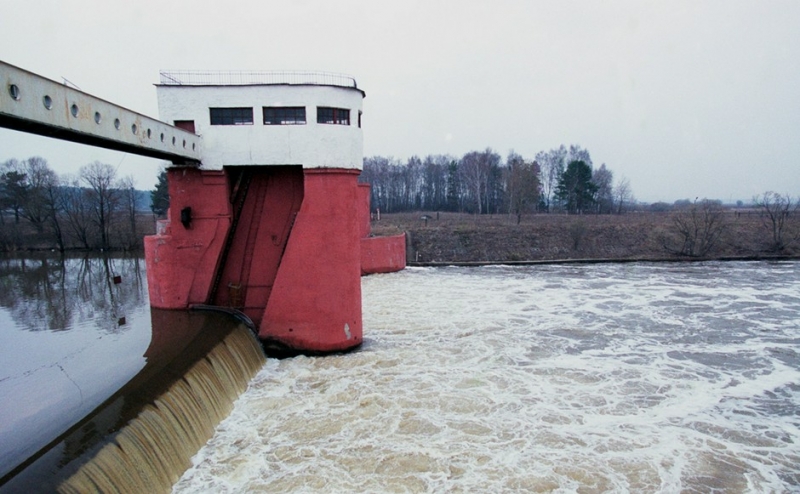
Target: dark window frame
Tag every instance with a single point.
(334, 116)
(284, 115)
(231, 116)
(187, 125)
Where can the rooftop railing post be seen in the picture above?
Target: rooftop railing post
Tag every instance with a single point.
(239, 78)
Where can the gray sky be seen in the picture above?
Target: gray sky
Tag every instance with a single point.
(684, 98)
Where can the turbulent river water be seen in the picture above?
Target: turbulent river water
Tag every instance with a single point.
(562, 378)
(615, 377)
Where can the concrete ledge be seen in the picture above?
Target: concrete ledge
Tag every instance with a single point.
(674, 259)
(383, 254)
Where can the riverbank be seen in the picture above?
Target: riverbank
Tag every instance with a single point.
(454, 238)
(24, 237)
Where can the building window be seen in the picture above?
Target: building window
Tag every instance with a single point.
(284, 115)
(231, 116)
(327, 115)
(187, 125)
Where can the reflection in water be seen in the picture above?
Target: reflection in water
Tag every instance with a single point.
(56, 294)
(85, 357)
(64, 350)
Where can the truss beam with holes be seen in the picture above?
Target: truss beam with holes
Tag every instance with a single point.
(33, 104)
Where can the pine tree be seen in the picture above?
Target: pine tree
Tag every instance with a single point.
(159, 197)
(576, 189)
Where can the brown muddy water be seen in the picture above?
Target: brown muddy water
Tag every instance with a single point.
(595, 378)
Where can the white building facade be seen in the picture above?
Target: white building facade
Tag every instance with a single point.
(313, 120)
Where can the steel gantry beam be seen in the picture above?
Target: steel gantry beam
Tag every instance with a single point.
(33, 104)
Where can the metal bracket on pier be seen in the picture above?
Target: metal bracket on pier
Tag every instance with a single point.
(33, 104)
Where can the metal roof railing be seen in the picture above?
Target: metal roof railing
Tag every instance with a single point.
(246, 78)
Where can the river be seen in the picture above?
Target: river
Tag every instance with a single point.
(565, 378)
(616, 378)
(74, 331)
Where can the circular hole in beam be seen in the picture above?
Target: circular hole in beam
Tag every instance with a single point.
(117, 123)
(149, 132)
(184, 143)
(173, 140)
(74, 110)
(97, 117)
(134, 128)
(47, 101)
(192, 146)
(162, 137)
(13, 91)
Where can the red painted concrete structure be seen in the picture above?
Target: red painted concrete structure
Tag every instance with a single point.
(383, 254)
(284, 243)
(290, 258)
(378, 254)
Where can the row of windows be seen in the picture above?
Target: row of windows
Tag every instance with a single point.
(290, 115)
(231, 116)
(336, 116)
(280, 115)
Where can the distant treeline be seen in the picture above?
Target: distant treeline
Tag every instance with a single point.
(93, 210)
(481, 182)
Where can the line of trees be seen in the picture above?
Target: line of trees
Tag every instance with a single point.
(93, 210)
(480, 182)
(698, 227)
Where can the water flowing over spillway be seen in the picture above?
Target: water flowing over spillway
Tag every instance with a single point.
(634, 377)
(101, 393)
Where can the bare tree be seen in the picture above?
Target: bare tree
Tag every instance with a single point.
(39, 176)
(77, 212)
(455, 196)
(623, 195)
(128, 200)
(103, 195)
(434, 184)
(603, 179)
(54, 195)
(522, 185)
(412, 183)
(698, 229)
(777, 213)
(551, 166)
(475, 169)
(577, 153)
(380, 172)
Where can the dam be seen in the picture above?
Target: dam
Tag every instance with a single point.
(616, 378)
(266, 214)
(267, 225)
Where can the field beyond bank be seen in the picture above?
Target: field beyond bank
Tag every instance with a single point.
(465, 238)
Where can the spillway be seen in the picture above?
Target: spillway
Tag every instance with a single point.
(142, 437)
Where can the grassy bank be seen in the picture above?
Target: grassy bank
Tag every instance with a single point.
(464, 238)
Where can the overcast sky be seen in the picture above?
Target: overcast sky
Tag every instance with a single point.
(684, 98)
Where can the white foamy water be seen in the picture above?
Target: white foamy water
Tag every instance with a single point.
(640, 378)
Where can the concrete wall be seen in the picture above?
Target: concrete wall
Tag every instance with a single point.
(181, 261)
(311, 145)
(383, 254)
(315, 304)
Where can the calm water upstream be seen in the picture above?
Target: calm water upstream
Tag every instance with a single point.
(71, 336)
(635, 377)
(81, 342)
(631, 377)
